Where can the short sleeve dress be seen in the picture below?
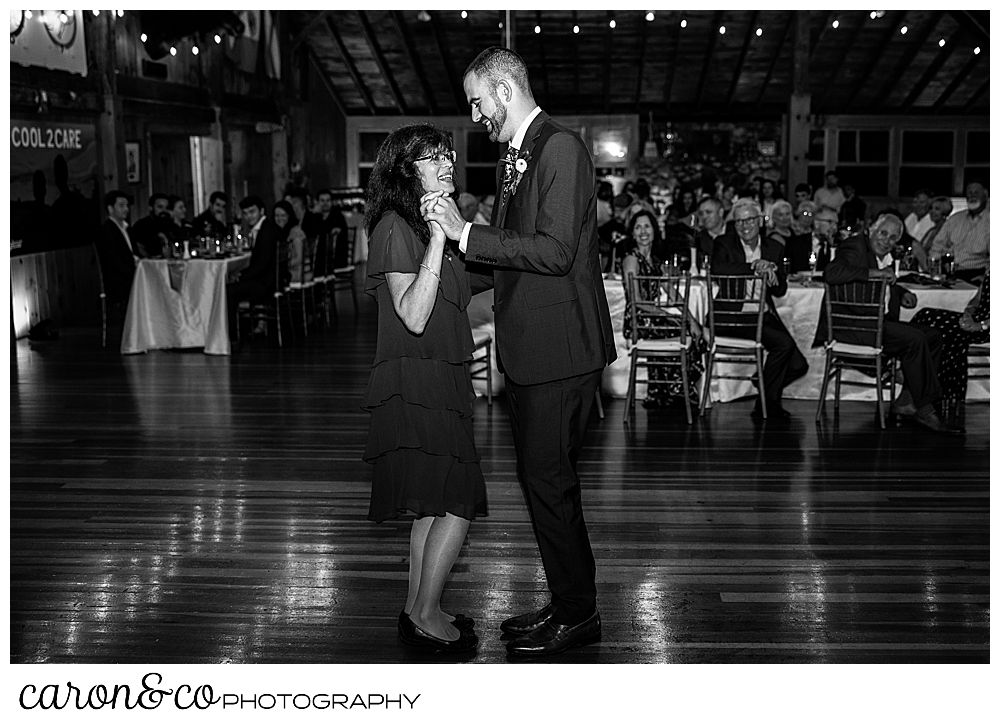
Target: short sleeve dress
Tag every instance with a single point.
(420, 394)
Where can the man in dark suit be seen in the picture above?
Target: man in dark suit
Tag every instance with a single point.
(749, 253)
(212, 221)
(712, 217)
(553, 328)
(917, 346)
(150, 233)
(323, 221)
(258, 281)
(115, 251)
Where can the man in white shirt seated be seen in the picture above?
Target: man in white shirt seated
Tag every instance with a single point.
(831, 195)
(966, 235)
(919, 220)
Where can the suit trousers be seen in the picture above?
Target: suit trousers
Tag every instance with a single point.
(251, 289)
(549, 421)
(918, 348)
(784, 363)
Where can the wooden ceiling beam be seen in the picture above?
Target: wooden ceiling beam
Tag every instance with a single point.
(327, 83)
(673, 41)
(972, 24)
(976, 96)
(383, 67)
(576, 67)
(891, 80)
(713, 36)
(821, 35)
(932, 70)
(777, 55)
(313, 23)
(355, 76)
(608, 52)
(545, 68)
(890, 31)
(954, 85)
(642, 62)
(457, 93)
(411, 57)
(848, 50)
(748, 38)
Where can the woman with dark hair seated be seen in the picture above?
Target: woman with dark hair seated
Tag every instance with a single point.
(420, 438)
(641, 259)
(958, 331)
(291, 230)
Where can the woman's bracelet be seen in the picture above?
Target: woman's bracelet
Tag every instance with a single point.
(431, 271)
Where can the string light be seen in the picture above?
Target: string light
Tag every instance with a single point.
(722, 30)
(464, 15)
(684, 23)
(903, 30)
(977, 50)
(650, 16)
(218, 38)
(96, 13)
(612, 24)
(194, 50)
(760, 31)
(143, 37)
(173, 50)
(941, 43)
(835, 24)
(576, 29)
(538, 29)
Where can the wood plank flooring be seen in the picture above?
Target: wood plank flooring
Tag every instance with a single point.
(179, 508)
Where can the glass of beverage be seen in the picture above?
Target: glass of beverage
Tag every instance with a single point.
(948, 264)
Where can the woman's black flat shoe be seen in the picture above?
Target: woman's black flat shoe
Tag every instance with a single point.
(461, 622)
(412, 635)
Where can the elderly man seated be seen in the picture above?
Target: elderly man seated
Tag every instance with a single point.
(917, 346)
(966, 234)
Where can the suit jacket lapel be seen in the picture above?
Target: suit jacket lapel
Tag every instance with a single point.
(527, 146)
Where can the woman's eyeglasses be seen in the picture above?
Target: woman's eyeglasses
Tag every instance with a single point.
(439, 158)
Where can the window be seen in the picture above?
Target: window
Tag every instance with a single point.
(368, 145)
(863, 161)
(927, 162)
(977, 156)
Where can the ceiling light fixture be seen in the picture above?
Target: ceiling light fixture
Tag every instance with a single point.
(143, 37)
(835, 23)
(903, 30)
(760, 31)
(873, 14)
(424, 16)
(121, 13)
(194, 50)
(977, 50)
(464, 15)
(684, 23)
(941, 43)
(612, 24)
(722, 30)
(538, 29)
(96, 13)
(650, 16)
(576, 29)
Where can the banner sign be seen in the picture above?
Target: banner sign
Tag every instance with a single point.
(48, 38)
(53, 184)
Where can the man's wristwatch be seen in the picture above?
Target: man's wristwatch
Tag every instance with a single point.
(984, 326)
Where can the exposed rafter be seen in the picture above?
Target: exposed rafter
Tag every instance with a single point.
(383, 67)
(672, 41)
(642, 63)
(891, 80)
(888, 33)
(969, 20)
(976, 96)
(413, 60)
(355, 76)
(314, 23)
(751, 30)
(713, 36)
(817, 40)
(608, 53)
(954, 85)
(838, 66)
(774, 60)
(932, 70)
(545, 67)
(576, 67)
(326, 82)
(457, 93)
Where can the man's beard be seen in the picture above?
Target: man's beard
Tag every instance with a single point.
(499, 118)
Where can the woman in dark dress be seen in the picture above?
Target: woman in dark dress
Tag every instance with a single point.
(958, 331)
(641, 259)
(419, 394)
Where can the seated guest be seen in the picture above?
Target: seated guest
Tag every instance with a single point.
(748, 253)
(727, 199)
(781, 222)
(304, 222)
(150, 232)
(712, 219)
(678, 239)
(257, 282)
(767, 197)
(917, 346)
(803, 250)
(803, 192)
(802, 221)
(611, 231)
(853, 210)
(941, 209)
(295, 239)
(966, 234)
(685, 206)
(904, 250)
(918, 222)
(958, 331)
(830, 195)
(180, 229)
(212, 221)
(115, 249)
(641, 259)
(326, 220)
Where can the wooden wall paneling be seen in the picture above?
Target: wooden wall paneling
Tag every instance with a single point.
(60, 285)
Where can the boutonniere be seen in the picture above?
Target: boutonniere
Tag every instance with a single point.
(521, 165)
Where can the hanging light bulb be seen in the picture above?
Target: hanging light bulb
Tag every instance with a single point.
(760, 31)
(612, 24)
(873, 14)
(684, 23)
(173, 50)
(27, 14)
(218, 38)
(576, 29)
(194, 50)
(538, 29)
(835, 23)
(143, 37)
(977, 50)
(63, 18)
(903, 30)
(96, 13)
(121, 13)
(464, 15)
(722, 30)
(650, 16)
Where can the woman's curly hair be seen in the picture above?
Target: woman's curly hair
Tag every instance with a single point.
(395, 184)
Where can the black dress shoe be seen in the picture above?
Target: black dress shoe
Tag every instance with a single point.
(412, 635)
(932, 422)
(551, 638)
(528, 622)
(461, 621)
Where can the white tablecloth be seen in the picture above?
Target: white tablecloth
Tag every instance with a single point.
(799, 309)
(192, 315)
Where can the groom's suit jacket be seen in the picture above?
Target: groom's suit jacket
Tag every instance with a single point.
(551, 312)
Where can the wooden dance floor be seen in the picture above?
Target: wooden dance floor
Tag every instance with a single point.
(175, 507)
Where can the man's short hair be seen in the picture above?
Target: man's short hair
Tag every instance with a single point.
(155, 197)
(111, 197)
(716, 204)
(252, 200)
(605, 191)
(926, 192)
(328, 192)
(824, 211)
(978, 180)
(832, 172)
(944, 200)
(218, 196)
(803, 187)
(888, 219)
(744, 203)
(496, 63)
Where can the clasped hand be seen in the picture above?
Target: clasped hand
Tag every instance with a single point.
(436, 207)
(766, 269)
(967, 324)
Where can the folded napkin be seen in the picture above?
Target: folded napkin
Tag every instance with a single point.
(176, 272)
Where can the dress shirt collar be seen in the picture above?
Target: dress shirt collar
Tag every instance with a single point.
(753, 254)
(885, 262)
(122, 226)
(256, 227)
(518, 139)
